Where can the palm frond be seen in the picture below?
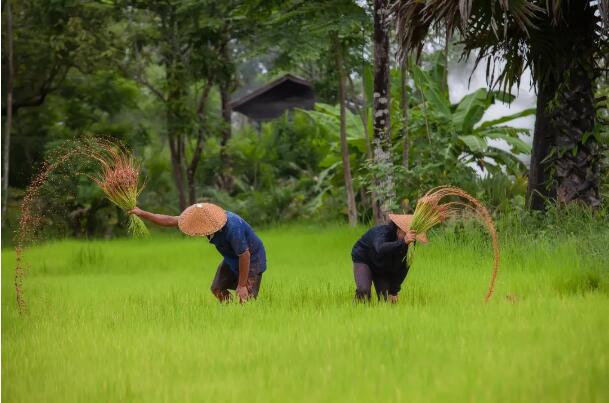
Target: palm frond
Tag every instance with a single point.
(510, 35)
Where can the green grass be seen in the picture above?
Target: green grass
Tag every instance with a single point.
(133, 320)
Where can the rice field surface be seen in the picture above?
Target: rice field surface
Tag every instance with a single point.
(134, 320)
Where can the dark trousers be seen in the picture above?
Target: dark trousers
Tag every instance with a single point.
(364, 278)
(226, 279)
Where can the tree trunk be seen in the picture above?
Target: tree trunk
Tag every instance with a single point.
(176, 120)
(565, 161)
(365, 197)
(196, 156)
(192, 169)
(224, 179)
(577, 165)
(404, 108)
(176, 168)
(351, 207)
(226, 113)
(6, 145)
(539, 186)
(383, 183)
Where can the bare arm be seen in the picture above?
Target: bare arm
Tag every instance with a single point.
(244, 269)
(158, 219)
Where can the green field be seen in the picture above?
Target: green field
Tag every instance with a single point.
(133, 320)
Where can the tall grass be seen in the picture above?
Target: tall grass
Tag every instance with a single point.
(133, 320)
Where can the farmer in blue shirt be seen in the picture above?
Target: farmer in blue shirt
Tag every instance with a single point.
(244, 255)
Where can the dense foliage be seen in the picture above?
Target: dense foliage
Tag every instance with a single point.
(158, 78)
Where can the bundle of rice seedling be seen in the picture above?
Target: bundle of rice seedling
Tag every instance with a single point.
(431, 211)
(119, 179)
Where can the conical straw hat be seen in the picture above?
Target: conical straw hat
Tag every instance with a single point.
(403, 221)
(202, 219)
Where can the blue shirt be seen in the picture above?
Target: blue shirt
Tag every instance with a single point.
(235, 238)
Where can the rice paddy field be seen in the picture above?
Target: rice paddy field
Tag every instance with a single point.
(133, 320)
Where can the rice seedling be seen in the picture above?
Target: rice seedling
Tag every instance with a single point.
(138, 323)
(119, 179)
(431, 211)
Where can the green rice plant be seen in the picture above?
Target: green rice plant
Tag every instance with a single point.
(138, 323)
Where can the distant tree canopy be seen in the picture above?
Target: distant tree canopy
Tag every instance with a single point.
(159, 77)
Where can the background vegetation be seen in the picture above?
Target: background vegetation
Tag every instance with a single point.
(158, 77)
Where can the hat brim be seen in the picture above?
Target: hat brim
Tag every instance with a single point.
(403, 222)
(202, 219)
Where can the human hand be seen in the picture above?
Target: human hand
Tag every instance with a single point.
(136, 211)
(392, 298)
(243, 293)
(410, 237)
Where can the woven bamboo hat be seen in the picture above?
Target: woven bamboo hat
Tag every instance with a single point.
(202, 219)
(403, 222)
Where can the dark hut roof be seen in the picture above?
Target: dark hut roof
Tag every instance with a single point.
(273, 99)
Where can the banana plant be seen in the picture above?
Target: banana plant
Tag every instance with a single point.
(469, 139)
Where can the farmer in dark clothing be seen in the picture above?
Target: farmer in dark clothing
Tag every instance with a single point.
(243, 252)
(379, 258)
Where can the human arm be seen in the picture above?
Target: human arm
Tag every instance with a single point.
(383, 247)
(158, 219)
(238, 241)
(244, 269)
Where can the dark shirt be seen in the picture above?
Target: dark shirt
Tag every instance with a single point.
(234, 238)
(380, 249)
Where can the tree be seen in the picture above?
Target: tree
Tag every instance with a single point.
(10, 77)
(303, 26)
(560, 42)
(340, 69)
(34, 66)
(190, 42)
(404, 108)
(384, 191)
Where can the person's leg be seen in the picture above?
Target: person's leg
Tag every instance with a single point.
(224, 280)
(381, 286)
(253, 284)
(254, 278)
(363, 281)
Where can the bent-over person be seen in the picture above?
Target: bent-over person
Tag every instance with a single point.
(244, 256)
(379, 258)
